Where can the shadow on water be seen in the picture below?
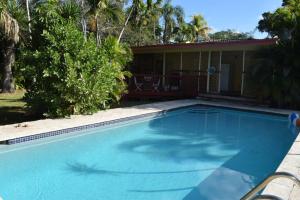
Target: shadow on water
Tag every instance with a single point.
(250, 148)
(163, 190)
(184, 137)
(84, 169)
(245, 146)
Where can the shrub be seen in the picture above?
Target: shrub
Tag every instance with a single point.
(70, 74)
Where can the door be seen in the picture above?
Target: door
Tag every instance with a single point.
(225, 73)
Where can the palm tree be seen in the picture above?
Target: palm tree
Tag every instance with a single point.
(184, 33)
(28, 5)
(9, 27)
(83, 21)
(199, 27)
(94, 12)
(102, 11)
(153, 14)
(28, 18)
(172, 17)
(134, 13)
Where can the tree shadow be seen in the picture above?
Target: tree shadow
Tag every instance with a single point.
(85, 169)
(12, 115)
(163, 190)
(181, 137)
(250, 146)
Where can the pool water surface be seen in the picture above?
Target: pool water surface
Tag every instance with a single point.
(196, 153)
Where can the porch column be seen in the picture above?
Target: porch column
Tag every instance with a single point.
(220, 71)
(208, 75)
(199, 68)
(243, 73)
(164, 71)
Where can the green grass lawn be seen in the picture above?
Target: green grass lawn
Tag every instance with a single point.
(12, 108)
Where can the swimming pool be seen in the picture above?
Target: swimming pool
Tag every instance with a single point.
(196, 153)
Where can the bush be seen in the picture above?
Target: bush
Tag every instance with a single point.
(275, 75)
(70, 74)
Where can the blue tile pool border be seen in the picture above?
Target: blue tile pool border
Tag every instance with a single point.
(115, 121)
(78, 128)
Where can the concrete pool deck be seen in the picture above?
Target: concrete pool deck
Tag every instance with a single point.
(281, 187)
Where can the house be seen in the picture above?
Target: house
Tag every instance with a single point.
(187, 70)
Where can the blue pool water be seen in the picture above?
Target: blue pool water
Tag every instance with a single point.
(196, 153)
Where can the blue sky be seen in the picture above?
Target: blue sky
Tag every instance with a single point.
(241, 15)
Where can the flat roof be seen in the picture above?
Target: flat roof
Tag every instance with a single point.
(249, 44)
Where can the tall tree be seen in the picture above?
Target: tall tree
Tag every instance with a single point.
(199, 27)
(278, 67)
(153, 14)
(184, 33)
(172, 17)
(134, 12)
(103, 15)
(28, 17)
(284, 22)
(10, 30)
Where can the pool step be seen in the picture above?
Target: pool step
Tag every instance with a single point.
(217, 97)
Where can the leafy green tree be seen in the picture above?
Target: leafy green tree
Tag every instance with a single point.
(229, 35)
(71, 74)
(284, 22)
(278, 68)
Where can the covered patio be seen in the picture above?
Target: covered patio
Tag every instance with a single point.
(187, 70)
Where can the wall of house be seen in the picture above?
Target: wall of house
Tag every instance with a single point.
(172, 63)
(147, 64)
(235, 60)
(203, 72)
(188, 69)
(190, 62)
(214, 77)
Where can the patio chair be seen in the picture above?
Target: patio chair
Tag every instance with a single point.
(156, 85)
(138, 85)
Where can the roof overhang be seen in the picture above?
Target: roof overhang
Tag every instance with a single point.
(229, 45)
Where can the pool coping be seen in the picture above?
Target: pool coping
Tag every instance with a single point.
(27, 131)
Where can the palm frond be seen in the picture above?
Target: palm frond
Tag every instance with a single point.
(9, 26)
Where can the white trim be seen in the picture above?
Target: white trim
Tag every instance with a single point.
(208, 76)
(243, 73)
(220, 71)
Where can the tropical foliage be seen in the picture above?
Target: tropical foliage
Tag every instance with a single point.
(69, 73)
(10, 32)
(277, 70)
(230, 35)
(70, 55)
